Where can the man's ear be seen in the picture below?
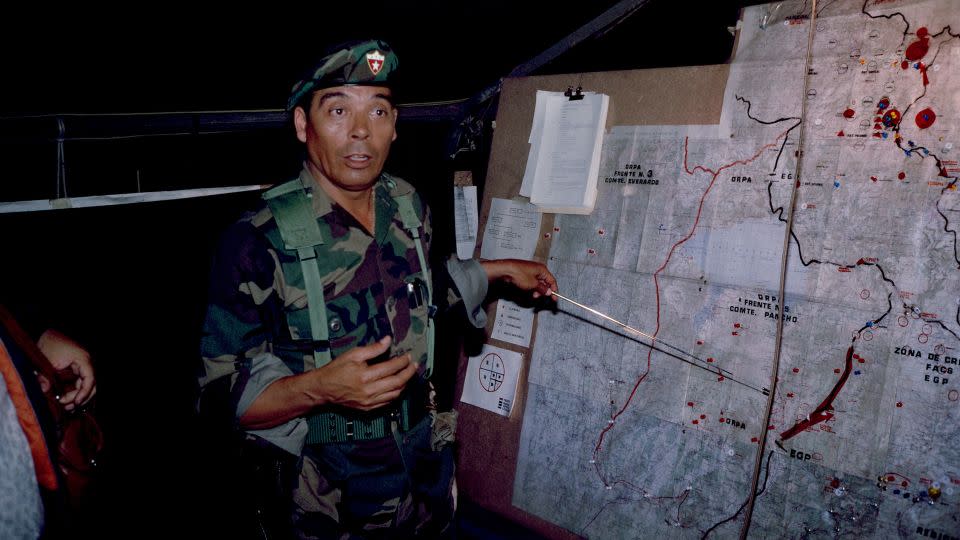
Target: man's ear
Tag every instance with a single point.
(396, 113)
(300, 123)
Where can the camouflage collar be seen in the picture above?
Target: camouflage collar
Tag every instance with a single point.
(385, 206)
(322, 205)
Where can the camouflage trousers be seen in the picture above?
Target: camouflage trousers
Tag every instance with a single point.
(396, 487)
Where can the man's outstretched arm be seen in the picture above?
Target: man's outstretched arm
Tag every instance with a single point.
(525, 275)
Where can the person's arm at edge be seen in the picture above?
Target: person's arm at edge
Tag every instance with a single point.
(64, 353)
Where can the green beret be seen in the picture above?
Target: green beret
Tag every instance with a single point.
(369, 62)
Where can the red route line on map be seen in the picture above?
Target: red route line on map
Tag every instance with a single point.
(823, 411)
(689, 235)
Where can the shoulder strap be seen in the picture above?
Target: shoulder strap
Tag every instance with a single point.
(291, 208)
(300, 231)
(412, 223)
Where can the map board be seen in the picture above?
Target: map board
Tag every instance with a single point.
(851, 141)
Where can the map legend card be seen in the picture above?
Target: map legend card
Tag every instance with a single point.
(514, 324)
(491, 381)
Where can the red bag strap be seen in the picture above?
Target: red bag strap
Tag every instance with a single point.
(43, 366)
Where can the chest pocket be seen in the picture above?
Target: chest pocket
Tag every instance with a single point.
(352, 319)
(414, 299)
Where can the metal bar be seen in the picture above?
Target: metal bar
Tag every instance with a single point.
(119, 198)
(606, 20)
(107, 127)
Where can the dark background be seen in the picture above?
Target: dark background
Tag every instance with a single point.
(129, 282)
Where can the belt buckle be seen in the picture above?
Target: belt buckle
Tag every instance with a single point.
(350, 435)
(396, 416)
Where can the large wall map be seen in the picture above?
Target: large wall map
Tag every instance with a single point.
(621, 440)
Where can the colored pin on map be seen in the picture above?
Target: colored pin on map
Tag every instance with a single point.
(890, 118)
(925, 118)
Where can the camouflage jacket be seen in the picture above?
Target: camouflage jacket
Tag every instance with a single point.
(257, 327)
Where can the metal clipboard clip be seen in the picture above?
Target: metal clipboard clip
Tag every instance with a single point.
(574, 95)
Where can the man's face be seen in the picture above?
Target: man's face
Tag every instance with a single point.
(348, 131)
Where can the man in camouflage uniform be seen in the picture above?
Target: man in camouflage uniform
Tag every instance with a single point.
(344, 388)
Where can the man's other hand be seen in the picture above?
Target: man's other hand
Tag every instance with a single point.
(350, 381)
